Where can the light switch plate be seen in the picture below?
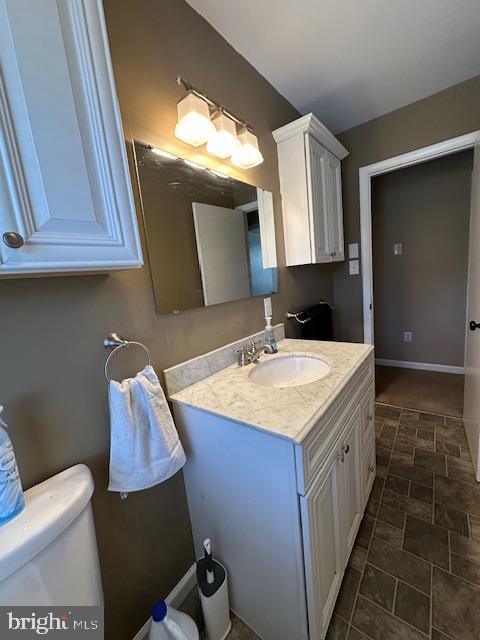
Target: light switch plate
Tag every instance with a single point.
(398, 249)
(407, 336)
(353, 267)
(353, 250)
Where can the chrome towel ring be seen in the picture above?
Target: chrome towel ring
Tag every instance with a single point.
(115, 342)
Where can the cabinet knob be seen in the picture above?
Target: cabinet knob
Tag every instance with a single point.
(13, 240)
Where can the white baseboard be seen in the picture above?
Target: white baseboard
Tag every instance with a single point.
(424, 366)
(175, 598)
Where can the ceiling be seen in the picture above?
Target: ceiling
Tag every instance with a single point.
(349, 61)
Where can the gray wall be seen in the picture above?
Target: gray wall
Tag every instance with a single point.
(439, 117)
(425, 207)
(51, 362)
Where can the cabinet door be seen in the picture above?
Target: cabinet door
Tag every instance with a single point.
(335, 209)
(64, 180)
(322, 542)
(317, 158)
(351, 481)
(367, 414)
(368, 470)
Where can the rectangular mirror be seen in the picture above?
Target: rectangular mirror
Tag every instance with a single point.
(210, 238)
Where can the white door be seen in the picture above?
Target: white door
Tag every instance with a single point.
(367, 414)
(65, 193)
(335, 208)
(222, 252)
(318, 199)
(369, 468)
(367, 442)
(350, 470)
(471, 410)
(266, 218)
(322, 545)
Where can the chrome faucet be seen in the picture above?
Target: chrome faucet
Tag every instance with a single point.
(249, 354)
(264, 348)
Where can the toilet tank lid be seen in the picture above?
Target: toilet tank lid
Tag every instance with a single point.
(50, 507)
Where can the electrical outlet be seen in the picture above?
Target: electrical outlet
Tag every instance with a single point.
(407, 336)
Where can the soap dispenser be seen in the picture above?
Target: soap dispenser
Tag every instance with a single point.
(12, 501)
(269, 335)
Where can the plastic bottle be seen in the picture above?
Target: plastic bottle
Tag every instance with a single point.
(269, 336)
(12, 501)
(170, 624)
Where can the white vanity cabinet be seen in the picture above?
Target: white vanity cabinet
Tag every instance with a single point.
(332, 510)
(66, 202)
(311, 186)
(283, 514)
(323, 529)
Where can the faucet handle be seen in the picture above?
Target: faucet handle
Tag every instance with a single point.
(255, 344)
(243, 355)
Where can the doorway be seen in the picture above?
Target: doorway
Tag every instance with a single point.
(420, 239)
(414, 235)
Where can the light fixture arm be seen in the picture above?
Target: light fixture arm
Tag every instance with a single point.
(215, 106)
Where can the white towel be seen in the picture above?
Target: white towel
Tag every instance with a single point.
(145, 448)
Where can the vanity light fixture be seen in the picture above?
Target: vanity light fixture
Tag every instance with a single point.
(248, 154)
(224, 142)
(196, 128)
(194, 125)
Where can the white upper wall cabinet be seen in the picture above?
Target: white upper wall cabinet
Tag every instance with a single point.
(311, 185)
(66, 202)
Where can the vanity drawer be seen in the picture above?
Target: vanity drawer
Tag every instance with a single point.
(313, 452)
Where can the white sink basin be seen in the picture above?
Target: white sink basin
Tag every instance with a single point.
(288, 371)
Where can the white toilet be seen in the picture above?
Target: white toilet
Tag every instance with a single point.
(48, 554)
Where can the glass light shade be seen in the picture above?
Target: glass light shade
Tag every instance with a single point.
(248, 154)
(194, 125)
(224, 141)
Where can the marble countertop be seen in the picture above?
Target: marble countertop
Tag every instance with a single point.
(288, 412)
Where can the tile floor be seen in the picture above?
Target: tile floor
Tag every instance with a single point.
(414, 573)
(239, 631)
